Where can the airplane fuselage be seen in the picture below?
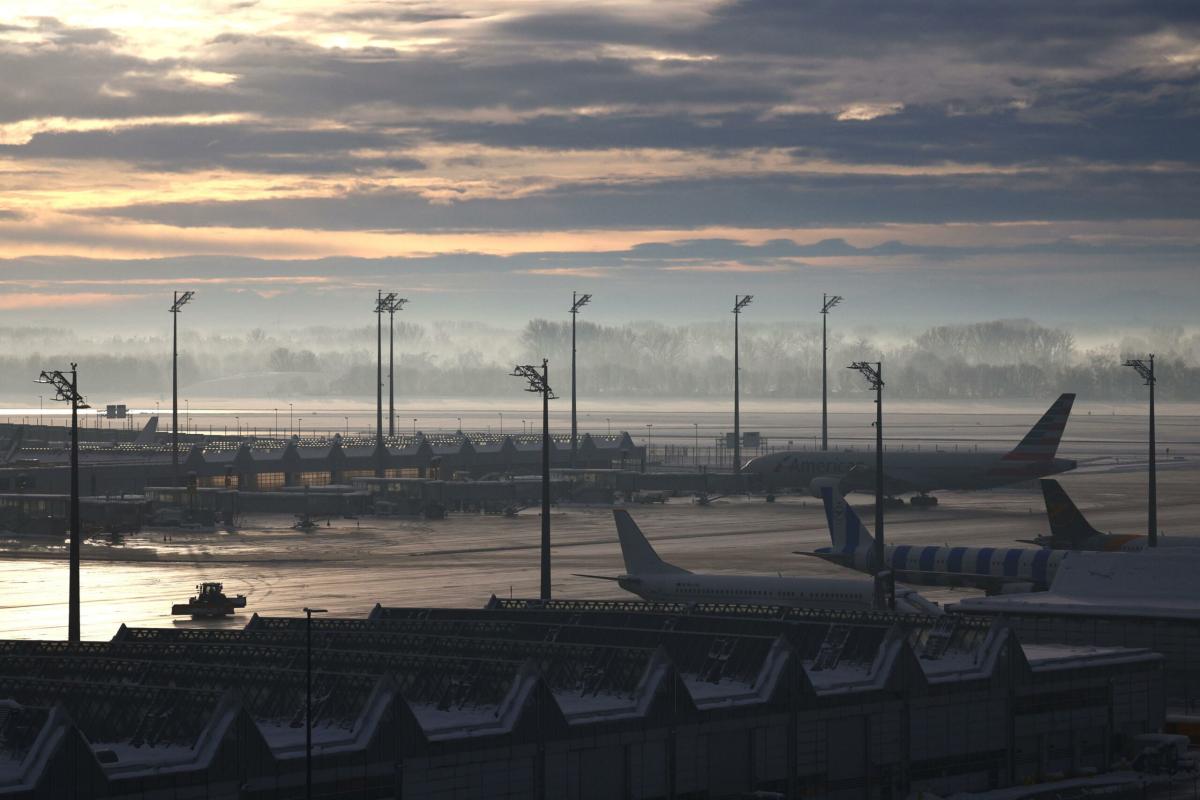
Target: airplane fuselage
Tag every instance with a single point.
(825, 593)
(991, 568)
(903, 471)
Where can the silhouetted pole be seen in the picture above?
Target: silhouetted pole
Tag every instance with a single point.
(308, 612)
(181, 299)
(829, 302)
(1145, 368)
(396, 304)
(874, 375)
(67, 389)
(577, 302)
(382, 302)
(539, 382)
(740, 302)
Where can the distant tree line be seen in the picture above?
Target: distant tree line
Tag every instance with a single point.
(994, 360)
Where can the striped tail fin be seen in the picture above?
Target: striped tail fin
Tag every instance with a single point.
(1041, 443)
(846, 530)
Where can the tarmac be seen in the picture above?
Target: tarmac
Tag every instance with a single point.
(348, 565)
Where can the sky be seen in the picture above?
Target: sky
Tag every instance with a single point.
(285, 159)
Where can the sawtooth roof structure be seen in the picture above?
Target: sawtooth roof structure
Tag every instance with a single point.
(154, 707)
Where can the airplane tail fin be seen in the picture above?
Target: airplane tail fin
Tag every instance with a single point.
(640, 558)
(1041, 443)
(1067, 523)
(846, 530)
(147, 434)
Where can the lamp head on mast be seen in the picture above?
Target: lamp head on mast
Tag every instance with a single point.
(579, 301)
(871, 371)
(1144, 367)
(384, 302)
(181, 300)
(63, 388)
(830, 301)
(741, 301)
(537, 382)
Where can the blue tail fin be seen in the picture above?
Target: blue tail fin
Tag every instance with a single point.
(846, 530)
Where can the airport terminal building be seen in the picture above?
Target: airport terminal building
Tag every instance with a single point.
(263, 464)
(567, 699)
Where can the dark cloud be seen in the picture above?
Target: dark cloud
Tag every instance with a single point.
(252, 148)
(752, 202)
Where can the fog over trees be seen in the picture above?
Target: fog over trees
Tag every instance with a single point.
(993, 360)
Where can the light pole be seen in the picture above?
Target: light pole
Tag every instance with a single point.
(382, 301)
(291, 425)
(459, 425)
(187, 420)
(578, 301)
(740, 302)
(299, 424)
(181, 299)
(874, 375)
(67, 390)
(501, 413)
(539, 383)
(608, 421)
(830, 300)
(308, 612)
(237, 421)
(696, 449)
(1145, 368)
(414, 426)
(347, 426)
(396, 304)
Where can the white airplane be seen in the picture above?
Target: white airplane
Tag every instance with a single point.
(999, 570)
(653, 579)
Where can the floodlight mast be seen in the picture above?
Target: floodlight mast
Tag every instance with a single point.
(539, 383)
(1145, 368)
(308, 612)
(873, 372)
(829, 301)
(382, 302)
(181, 299)
(739, 302)
(397, 304)
(67, 390)
(578, 301)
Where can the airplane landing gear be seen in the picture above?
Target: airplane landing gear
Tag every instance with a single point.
(923, 501)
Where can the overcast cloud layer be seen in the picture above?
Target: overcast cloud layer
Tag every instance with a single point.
(937, 160)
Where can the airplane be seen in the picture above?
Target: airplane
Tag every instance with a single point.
(1033, 457)
(1070, 530)
(653, 579)
(998, 570)
(148, 434)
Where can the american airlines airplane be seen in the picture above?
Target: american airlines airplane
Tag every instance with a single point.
(653, 579)
(922, 473)
(1070, 530)
(999, 570)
